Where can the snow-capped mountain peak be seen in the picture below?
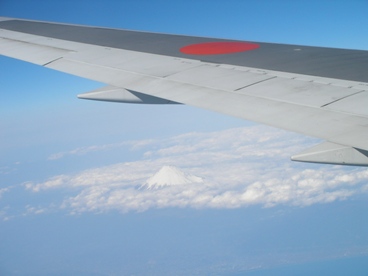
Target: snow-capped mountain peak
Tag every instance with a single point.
(170, 176)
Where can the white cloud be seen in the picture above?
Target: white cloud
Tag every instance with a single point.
(31, 210)
(4, 190)
(134, 145)
(240, 167)
(53, 182)
(4, 213)
(80, 151)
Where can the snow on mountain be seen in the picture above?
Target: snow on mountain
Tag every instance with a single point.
(170, 176)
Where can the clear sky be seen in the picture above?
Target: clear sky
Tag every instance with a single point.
(69, 168)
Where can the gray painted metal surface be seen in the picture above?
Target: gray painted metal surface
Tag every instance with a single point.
(315, 91)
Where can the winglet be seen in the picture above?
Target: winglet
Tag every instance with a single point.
(331, 153)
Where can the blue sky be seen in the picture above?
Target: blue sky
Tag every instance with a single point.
(69, 168)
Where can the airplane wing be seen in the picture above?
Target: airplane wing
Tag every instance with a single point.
(320, 92)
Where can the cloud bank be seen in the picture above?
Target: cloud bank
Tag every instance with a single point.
(239, 167)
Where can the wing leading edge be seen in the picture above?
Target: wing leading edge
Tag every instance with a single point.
(315, 91)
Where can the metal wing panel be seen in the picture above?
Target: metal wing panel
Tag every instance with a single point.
(356, 104)
(298, 91)
(155, 65)
(34, 53)
(41, 40)
(212, 76)
(330, 153)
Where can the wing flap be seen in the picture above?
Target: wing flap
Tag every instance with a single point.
(299, 92)
(356, 104)
(331, 153)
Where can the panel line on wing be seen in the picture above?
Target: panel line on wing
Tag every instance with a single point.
(47, 63)
(327, 104)
(240, 88)
(34, 44)
(31, 52)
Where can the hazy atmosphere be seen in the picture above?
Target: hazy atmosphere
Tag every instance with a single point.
(96, 188)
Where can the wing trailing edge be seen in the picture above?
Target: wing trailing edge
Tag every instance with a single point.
(331, 153)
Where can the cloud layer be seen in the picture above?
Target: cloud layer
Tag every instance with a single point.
(240, 167)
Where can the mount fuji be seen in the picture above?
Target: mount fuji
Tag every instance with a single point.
(170, 176)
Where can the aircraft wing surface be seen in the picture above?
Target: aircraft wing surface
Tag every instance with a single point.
(320, 92)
